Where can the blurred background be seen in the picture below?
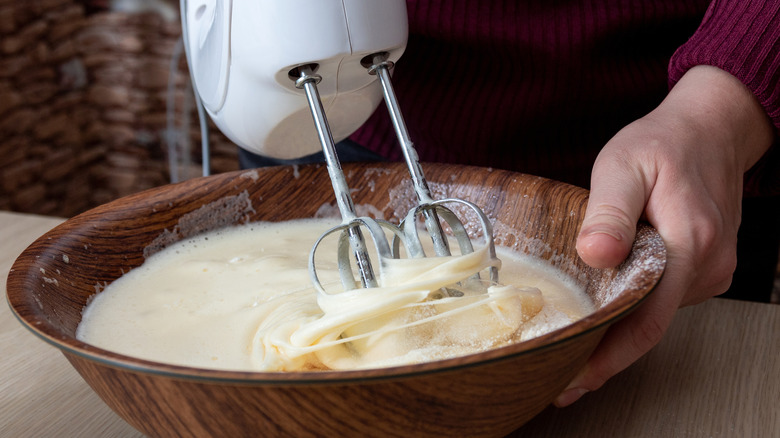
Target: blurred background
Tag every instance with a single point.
(96, 104)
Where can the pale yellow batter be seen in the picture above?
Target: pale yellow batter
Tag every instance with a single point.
(241, 299)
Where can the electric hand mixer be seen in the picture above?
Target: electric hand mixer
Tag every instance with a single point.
(264, 68)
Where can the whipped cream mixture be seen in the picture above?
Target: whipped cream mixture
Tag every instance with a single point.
(241, 299)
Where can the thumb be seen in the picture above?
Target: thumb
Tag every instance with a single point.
(617, 199)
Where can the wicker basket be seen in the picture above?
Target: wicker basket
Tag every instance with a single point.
(91, 101)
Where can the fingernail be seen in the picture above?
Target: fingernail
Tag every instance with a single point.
(569, 396)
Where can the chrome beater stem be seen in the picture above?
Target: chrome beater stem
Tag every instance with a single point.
(381, 68)
(431, 210)
(308, 82)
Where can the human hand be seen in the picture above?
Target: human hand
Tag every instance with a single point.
(681, 169)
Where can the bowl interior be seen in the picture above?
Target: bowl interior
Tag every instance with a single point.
(53, 279)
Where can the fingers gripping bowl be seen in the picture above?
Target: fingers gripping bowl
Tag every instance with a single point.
(485, 394)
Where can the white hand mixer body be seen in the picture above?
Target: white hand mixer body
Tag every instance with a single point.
(264, 68)
(242, 51)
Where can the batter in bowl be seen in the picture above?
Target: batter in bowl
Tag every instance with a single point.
(241, 299)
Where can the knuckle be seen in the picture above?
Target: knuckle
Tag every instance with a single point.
(728, 263)
(708, 235)
(721, 287)
(613, 215)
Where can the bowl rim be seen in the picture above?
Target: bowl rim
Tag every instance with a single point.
(614, 310)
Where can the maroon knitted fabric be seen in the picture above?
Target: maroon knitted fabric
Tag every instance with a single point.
(539, 86)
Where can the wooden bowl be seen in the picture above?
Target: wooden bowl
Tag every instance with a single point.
(486, 394)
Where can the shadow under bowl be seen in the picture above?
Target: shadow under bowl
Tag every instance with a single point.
(486, 394)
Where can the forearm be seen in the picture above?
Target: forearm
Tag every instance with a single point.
(722, 110)
(741, 37)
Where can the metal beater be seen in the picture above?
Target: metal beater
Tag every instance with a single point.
(350, 232)
(433, 212)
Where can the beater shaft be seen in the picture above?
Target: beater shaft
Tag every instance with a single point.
(431, 210)
(308, 81)
(381, 68)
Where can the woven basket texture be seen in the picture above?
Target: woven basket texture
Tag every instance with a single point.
(91, 102)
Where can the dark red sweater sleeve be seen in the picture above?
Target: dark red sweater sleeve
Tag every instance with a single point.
(742, 37)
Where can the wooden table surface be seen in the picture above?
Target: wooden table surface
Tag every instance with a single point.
(715, 374)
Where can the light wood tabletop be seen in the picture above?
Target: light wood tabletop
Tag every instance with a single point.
(715, 374)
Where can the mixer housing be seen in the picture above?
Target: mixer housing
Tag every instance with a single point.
(241, 52)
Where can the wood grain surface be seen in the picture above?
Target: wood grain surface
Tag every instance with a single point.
(716, 374)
